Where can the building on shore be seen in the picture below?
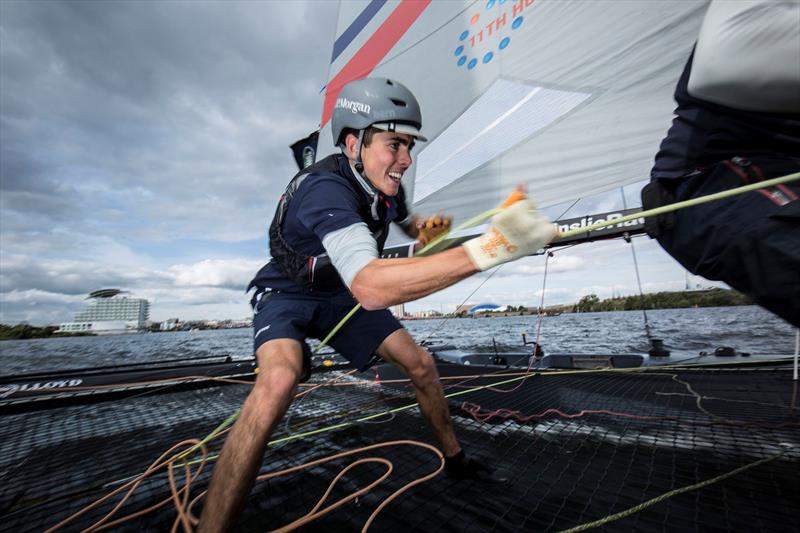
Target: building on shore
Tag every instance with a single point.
(486, 307)
(170, 324)
(110, 313)
(430, 313)
(463, 308)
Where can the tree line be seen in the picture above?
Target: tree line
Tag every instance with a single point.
(26, 331)
(663, 300)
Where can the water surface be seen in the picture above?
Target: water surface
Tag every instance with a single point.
(685, 332)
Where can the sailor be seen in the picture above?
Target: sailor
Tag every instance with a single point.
(325, 243)
(737, 122)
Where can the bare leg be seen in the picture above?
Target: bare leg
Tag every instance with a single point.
(280, 363)
(400, 349)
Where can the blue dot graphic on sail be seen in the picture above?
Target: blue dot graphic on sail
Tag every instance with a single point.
(489, 31)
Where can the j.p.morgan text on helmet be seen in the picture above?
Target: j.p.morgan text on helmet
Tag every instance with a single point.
(355, 107)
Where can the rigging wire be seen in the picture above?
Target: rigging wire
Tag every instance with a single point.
(638, 277)
(463, 302)
(441, 324)
(548, 255)
(796, 351)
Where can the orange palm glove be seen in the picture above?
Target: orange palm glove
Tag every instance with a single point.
(432, 227)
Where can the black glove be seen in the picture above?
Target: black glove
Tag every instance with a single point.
(460, 467)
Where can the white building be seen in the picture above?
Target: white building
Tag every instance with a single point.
(110, 313)
(170, 324)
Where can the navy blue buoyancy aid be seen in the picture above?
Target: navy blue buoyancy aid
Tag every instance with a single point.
(316, 273)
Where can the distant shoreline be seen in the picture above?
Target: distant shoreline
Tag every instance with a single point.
(715, 297)
(25, 331)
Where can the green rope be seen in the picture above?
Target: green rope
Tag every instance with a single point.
(342, 425)
(491, 212)
(686, 203)
(641, 214)
(389, 412)
(336, 329)
(217, 430)
(670, 494)
(527, 375)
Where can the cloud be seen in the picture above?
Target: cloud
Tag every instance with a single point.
(535, 266)
(51, 291)
(82, 277)
(171, 114)
(37, 297)
(68, 277)
(230, 274)
(38, 307)
(130, 134)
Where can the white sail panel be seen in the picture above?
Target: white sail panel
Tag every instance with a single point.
(626, 55)
(506, 114)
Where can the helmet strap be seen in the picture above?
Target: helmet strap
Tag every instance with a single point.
(359, 164)
(356, 163)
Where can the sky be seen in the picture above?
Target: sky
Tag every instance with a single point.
(143, 146)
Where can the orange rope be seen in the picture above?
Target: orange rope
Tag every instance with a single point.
(131, 486)
(315, 513)
(179, 496)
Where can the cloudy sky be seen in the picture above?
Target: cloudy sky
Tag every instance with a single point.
(144, 146)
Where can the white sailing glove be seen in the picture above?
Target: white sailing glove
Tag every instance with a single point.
(515, 232)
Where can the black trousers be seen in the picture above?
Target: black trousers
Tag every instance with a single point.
(750, 241)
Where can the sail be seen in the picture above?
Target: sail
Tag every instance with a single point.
(570, 97)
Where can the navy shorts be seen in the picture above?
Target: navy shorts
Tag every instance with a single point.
(280, 315)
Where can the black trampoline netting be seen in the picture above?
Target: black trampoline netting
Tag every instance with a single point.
(720, 448)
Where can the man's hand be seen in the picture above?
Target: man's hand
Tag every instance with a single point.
(516, 231)
(432, 227)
